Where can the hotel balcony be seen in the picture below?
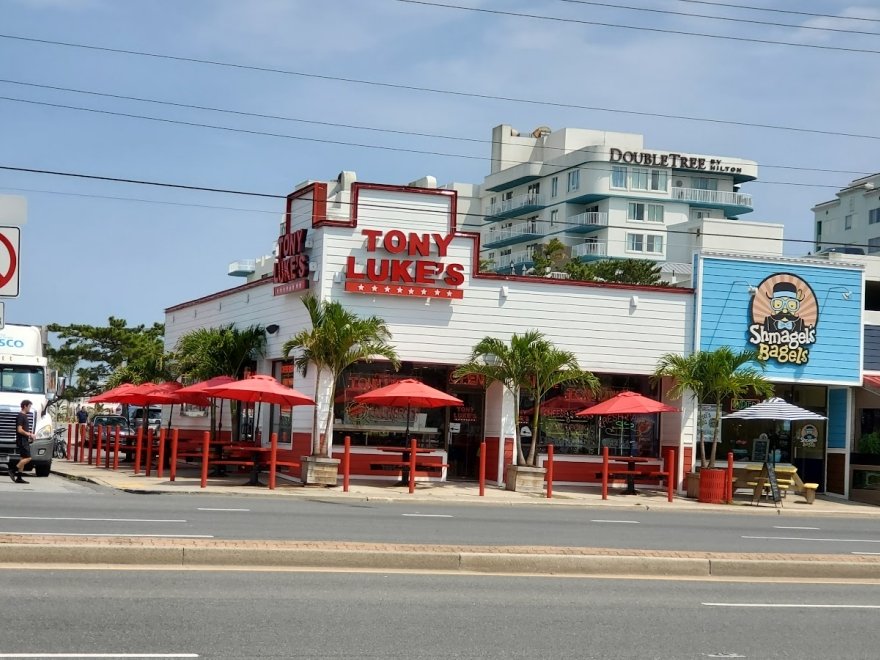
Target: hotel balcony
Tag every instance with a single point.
(524, 231)
(510, 261)
(242, 267)
(733, 203)
(583, 223)
(508, 208)
(590, 251)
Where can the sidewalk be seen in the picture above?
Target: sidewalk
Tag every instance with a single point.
(188, 481)
(193, 554)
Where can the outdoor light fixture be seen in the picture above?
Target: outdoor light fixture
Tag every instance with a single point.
(505, 291)
(634, 301)
(272, 328)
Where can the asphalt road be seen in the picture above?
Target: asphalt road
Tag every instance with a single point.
(58, 506)
(212, 614)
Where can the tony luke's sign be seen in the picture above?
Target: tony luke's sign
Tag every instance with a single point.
(409, 271)
(291, 269)
(784, 317)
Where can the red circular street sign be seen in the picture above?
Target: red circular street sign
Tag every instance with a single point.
(6, 277)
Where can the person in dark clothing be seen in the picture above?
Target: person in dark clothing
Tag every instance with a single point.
(23, 439)
(82, 415)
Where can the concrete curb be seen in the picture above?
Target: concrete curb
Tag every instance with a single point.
(626, 564)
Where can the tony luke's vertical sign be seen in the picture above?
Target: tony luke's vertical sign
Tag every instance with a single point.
(292, 263)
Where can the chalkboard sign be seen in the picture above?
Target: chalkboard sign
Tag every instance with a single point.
(770, 468)
(760, 449)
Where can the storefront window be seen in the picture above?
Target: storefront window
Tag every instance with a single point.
(386, 425)
(281, 418)
(570, 434)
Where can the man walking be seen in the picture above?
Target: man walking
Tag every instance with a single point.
(82, 415)
(23, 439)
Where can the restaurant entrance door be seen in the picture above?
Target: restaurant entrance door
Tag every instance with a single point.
(465, 433)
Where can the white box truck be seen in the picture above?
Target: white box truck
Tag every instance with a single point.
(24, 375)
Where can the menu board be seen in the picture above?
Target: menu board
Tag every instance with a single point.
(760, 449)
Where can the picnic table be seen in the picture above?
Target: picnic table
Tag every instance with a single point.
(406, 461)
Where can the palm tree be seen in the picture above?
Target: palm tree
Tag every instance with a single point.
(712, 377)
(337, 339)
(224, 351)
(529, 362)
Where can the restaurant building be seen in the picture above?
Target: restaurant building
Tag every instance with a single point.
(412, 255)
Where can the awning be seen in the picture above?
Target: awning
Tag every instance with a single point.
(872, 384)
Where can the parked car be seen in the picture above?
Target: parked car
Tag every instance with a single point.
(154, 419)
(102, 421)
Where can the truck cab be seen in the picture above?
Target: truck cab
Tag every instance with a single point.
(24, 375)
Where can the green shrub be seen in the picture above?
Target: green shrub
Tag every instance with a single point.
(870, 443)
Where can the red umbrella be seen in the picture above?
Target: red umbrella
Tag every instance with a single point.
(410, 393)
(108, 396)
(627, 403)
(259, 389)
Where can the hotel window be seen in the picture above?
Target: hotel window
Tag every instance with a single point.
(873, 245)
(704, 183)
(532, 193)
(618, 176)
(847, 221)
(635, 211)
(873, 216)
(819, 230)
(554, 216)
(659, 179)
(654, 213)
(649, 243)
(638, 179)
(574, 180)
(554, 186)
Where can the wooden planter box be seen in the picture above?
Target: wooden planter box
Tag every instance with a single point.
(524, 479)
(319, 470)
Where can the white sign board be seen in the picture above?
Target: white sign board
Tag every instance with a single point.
(2, 315)
(10, 239)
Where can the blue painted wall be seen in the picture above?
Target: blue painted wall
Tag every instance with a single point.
(725, 304)
(836, 419)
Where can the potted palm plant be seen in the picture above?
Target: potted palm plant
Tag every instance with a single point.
(712, 377)
(336, 340)
(528, 363)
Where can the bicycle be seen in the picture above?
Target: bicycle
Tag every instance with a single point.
(59, 449)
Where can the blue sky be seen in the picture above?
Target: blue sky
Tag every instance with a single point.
(91, 249)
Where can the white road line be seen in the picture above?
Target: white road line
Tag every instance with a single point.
(426, 515)
(799, 538)
(796, 605)
(785, 527)
(99, 655)
(865, 553)
(149, 520)
(623, 522)
(145, 536)
(207, 509)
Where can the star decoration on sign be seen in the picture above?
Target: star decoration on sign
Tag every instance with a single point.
(406, 292)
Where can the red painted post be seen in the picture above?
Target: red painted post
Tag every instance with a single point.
(138, 448)
(206, 451)
(160, 467)
(672, 472)
(172, 470)
(149, 466)
(729, 493)
(346, 464)
(99, 441)
(412, 465)
(116, 448)
(273, 460)
(549, 472)
(604, 473)
(108, 449)
(77, 441)
(70, 428)
(91, 438)
(482, 468)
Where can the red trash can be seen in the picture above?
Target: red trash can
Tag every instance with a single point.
(712, 486)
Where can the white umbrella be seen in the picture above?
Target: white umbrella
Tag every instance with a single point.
(775, 408)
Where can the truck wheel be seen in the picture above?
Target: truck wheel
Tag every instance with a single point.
(43, 469)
